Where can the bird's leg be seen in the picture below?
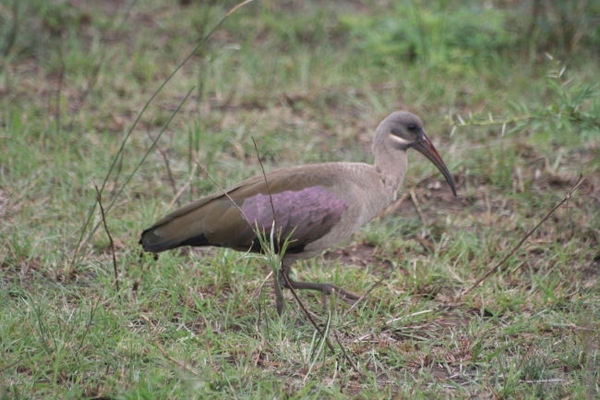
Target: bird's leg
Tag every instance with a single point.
(325, 288)
(278, 282)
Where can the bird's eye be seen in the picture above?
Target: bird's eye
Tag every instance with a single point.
(411, 127)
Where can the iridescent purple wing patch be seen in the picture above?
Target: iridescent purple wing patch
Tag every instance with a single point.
(303, 216)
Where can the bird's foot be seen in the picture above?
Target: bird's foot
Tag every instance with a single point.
(347, 296)
(325, 288)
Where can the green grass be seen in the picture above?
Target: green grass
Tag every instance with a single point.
(509, 98)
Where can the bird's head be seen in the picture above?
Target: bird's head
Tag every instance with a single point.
(403, 130)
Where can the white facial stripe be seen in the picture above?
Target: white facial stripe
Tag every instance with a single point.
(399, 140)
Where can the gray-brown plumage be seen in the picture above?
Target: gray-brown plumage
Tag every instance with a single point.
(316, 206)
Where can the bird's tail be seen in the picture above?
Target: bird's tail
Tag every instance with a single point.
(183, 227)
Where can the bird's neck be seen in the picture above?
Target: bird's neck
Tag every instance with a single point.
(392, 168)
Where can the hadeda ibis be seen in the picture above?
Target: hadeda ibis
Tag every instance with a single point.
(311, 207)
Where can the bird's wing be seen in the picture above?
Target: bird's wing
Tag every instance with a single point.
(304, 204)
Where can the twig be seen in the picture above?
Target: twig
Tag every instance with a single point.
(184, 187)
(525, 357)
(234, 9)
(201, 42)
(92, 78)
(224, 192)
(173, 360)
(167, 164)
(364, 296)
(258, 294)
(287, 279)
(83, 238)
(346, 356)
(413, 197)
(523, 239)
(281, 251)
(88, 326)
(471, 121)
(9, 366)
(118, 169)
(262, 168)
(11, 36)
(110, 239)
(258, 291)
(313, 323)
(61, 80)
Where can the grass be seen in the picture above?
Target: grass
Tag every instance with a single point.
(511, 105)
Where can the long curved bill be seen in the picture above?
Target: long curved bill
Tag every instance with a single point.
(424, 146)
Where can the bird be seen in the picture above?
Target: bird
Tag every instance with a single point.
(304, 209)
